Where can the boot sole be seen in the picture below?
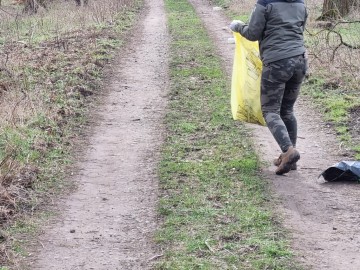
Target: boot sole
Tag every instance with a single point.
(277, 163)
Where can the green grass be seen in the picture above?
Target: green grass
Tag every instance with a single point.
(350, 33)
(335, 105)
(215, 207)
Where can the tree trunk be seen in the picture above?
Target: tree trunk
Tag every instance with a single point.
(30, 6)
(336, 9)
(78, 2)
(357, 3)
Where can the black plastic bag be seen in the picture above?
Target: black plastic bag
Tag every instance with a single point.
(343, 171)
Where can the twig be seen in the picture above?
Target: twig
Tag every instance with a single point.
(229, 252)
(7, 255)
(155, 257)
(6, 158)
(342, 42)
(9, 165)
(7, 71)
(348, 22)
(7, 12)
(41, 244)
(22, 42)
(208, 246)
(309, 168)
(340, 146)
(15, 107)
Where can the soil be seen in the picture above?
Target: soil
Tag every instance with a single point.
(109, 221)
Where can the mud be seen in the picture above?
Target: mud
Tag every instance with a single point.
(109, 222)
(322, 217)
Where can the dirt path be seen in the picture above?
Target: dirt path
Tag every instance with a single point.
(323, 218)
(108, 223)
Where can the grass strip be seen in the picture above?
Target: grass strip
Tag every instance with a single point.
(339, 108)
(215, 207)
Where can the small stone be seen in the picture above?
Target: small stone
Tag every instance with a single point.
(231, 40)
(72, 231)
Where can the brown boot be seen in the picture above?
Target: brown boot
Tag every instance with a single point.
(288, 160)
(277, 162)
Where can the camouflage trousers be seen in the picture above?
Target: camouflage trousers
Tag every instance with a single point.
(280, 86)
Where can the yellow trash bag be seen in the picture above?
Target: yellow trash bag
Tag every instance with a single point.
(245, 85)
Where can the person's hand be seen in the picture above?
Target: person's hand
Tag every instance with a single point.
(235, 24)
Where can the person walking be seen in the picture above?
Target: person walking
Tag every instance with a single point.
(279, 25)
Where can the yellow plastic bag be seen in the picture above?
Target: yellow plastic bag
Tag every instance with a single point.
(245, 85)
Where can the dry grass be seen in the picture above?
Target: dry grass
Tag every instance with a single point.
(334, 48)
(50, 66)
(241, 6)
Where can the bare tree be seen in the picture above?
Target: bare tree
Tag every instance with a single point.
(32, 6)
(78, 2)
(335, 9)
